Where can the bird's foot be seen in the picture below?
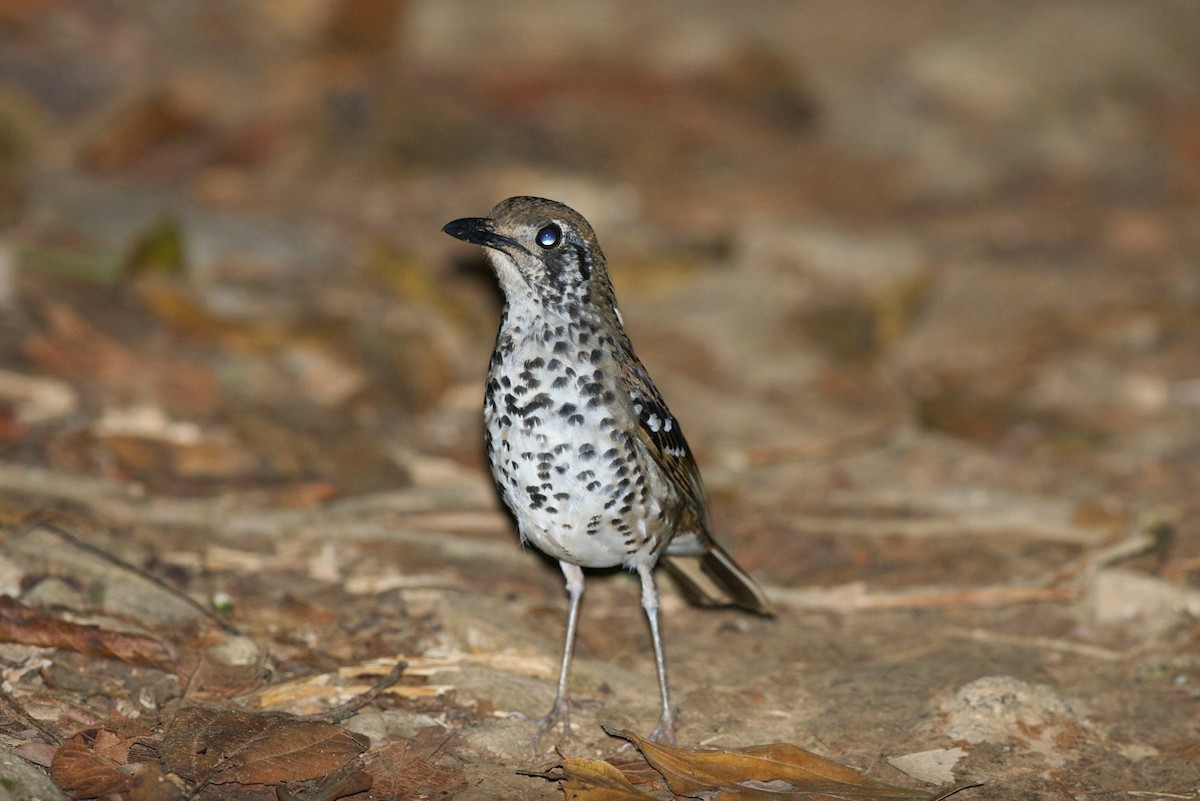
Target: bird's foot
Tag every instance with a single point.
(559, 713)
(665, 733)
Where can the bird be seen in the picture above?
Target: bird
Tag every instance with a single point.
(583, 450)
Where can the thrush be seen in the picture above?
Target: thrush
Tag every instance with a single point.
(582, 447)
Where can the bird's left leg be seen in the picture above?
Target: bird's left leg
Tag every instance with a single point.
(665, 733)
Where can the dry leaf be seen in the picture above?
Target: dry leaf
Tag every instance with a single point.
(30, 626)
(108, 744)
(85, 766)
(635, 768)
(222, 746)
(589, 780)
(778, 771)
(401, 771)
(40, 754)
(329, 788)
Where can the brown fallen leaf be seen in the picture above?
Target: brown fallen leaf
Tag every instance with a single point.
(590, 780)
(85, 766)
(31, 626)
(775, 771)
(407, 769)
(338, 784)
(40, 754)
(635, 768)
(221, 746)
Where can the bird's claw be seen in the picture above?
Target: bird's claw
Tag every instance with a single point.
(559, 713)
(664, 734)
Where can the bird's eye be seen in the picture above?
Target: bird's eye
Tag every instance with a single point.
(549, 236)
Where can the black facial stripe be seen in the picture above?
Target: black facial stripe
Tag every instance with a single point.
(554, 267)
(585, 262)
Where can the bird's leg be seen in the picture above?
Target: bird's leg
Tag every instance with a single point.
(562, 703)
(665, 733)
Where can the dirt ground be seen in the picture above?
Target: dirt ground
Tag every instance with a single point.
(920, 280)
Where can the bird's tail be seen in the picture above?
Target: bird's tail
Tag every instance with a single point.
(708, 576)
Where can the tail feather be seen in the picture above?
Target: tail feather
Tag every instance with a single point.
(710, 577)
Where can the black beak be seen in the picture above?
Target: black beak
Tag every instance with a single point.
(480, 231)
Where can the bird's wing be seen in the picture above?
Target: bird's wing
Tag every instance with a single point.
(662, 440)
(705, 571)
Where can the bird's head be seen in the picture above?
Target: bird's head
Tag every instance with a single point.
(543, 252)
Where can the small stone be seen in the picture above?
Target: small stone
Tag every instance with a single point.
(1009, 711)
(935, 766)
(1118, 597)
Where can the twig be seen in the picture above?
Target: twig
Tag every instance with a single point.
(1039, 643)
(124, 504)
(347, 710)
(349, 780)
(41, 521)
(951, 791)
(1151, 533)
(855, 596)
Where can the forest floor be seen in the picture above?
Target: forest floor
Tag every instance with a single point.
(921, 284)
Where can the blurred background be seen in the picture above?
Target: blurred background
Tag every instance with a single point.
(825, 220)
(921, 280)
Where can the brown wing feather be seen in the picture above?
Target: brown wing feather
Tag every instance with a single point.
(664, 439)
(706, 573)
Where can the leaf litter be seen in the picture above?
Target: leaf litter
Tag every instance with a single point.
(409, 768)
(29, 626)
(194, 385)
(774, 772)
(304, 759)
(220, 746)
(86, 765)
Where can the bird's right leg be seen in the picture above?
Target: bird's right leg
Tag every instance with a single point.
(562, 703)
